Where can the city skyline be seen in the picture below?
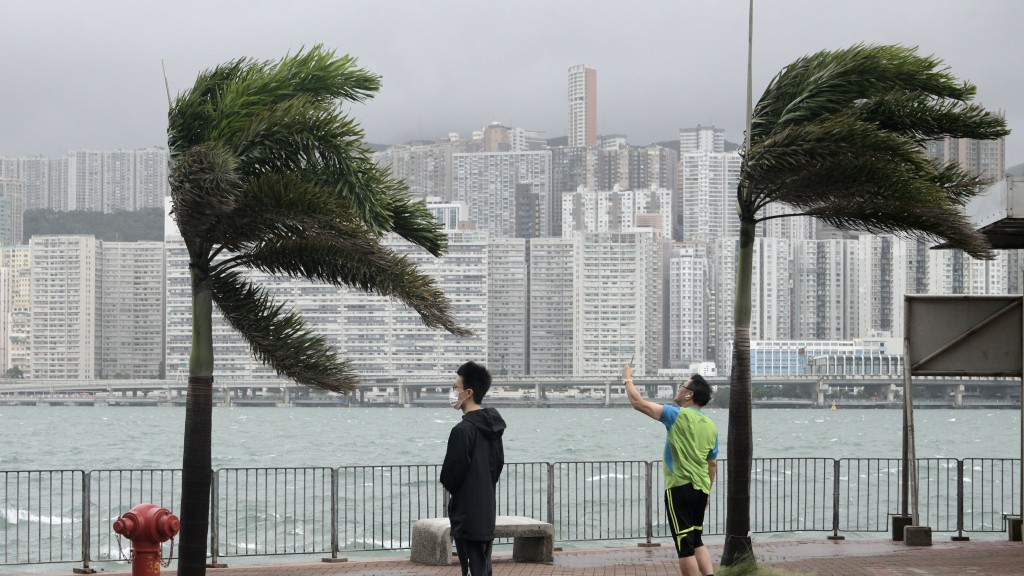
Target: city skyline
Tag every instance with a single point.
(444, 68)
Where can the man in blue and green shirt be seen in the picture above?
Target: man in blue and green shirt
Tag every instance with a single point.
(690, 465)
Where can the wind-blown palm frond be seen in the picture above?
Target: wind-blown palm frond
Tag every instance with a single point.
(277, 337)
(847, 128)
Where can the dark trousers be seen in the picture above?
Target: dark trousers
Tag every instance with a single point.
(474, 556)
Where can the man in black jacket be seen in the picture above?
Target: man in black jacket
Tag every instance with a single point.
(471, 469)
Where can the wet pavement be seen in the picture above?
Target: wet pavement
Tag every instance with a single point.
(807, 556)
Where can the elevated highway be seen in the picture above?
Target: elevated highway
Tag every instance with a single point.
(408, 391)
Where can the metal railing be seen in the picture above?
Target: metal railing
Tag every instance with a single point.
(59, 516)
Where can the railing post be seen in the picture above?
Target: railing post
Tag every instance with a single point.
(959, 503)
(335, 513)
(214, 520)
(649, 481)
(551, 495)
(86, 524)
(835, 502)
(335, 496)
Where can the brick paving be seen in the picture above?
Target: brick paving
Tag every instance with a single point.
(811, 556)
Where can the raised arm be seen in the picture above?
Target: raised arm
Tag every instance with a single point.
(638, 402)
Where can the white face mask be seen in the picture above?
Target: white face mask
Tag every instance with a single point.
(453, 399)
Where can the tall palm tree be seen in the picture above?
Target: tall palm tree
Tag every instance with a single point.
(840, 136)
(268, 173)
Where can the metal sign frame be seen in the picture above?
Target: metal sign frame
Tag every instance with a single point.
(957, 336)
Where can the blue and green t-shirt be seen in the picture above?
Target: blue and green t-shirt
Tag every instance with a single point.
(692, 441)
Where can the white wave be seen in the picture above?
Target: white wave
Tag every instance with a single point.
(359, 543)
(602, 477)
(14, 515)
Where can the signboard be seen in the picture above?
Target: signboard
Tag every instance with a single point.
(964, 335)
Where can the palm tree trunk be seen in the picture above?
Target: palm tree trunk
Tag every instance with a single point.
(740, 449)
(196, 460)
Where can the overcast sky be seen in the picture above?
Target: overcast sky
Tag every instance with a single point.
(79, 74)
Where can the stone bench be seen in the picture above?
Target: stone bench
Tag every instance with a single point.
(533, 541)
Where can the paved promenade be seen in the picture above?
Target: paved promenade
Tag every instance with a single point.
(810, 556)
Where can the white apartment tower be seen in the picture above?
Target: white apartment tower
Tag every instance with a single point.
(85, 180)
(707, 187)
(507, 307)
(687, 315)
(955, 272)
(151, 173)
(701, 139)
(827, 290)
(65, 306)
(118, 191)
(582, 106)
(883, 281)
(132, 310)
(551, 306)
(616, 302)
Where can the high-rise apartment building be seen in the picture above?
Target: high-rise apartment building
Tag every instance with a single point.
(488, 184)
(616, 302)
(118, 188)
(151, 173)
(707, 190)
(572, 168)
(701, 139)
(955, 272)
(687, 305)
(582, 106)
(85, 180)
(507, 306)
(12, 211)
(551, 275)
(66, 288)
(16, 309)
(826, 290)
(131, 314)
(652, 166)
(884, 280)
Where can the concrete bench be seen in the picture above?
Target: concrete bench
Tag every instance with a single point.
(533, 541)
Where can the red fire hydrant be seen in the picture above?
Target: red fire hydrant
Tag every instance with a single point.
(147, 525)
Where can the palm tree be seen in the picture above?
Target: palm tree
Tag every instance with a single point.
(269, 174)
(840, 136)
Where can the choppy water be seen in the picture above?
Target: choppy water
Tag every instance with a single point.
(90, 438)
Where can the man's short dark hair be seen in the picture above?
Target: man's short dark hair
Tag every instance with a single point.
(476, 378)
(701, 390)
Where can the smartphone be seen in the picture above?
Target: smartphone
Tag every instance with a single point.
(631, 358)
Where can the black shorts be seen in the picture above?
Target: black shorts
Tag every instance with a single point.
(685, 507)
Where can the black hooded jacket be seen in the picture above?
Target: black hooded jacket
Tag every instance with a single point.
(470, 472)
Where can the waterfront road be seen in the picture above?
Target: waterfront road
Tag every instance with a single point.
(811, 556)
